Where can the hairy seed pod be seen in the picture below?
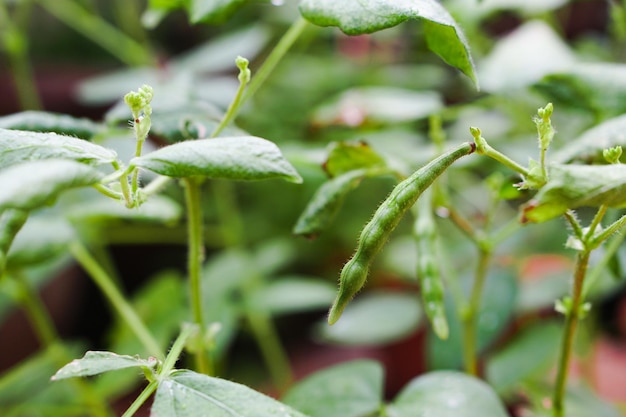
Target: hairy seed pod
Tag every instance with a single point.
(384, 221)
(431, 286)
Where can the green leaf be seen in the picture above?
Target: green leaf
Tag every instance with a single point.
(595, 87)
(94, 363)
(212, 11)
(188, 394)
(355, 17)
(374, 319)
(496, 308)
(33, 184)
(590, 144)
(39, 240)
(293, 294)
(573, 186)
(344, 157)
(17, 146)
(40, 121)
(326, 202)
(360, 105)
(235, 158)
(523, 56)
(531, 353)
(11, 222)
(351, 389)
(446, 394)
(158, 208)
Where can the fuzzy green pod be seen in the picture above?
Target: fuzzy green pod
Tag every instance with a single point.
(385, 219)
(431, 286)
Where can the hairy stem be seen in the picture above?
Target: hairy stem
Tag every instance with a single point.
(194, 262)
(102, 279)
(571, 321)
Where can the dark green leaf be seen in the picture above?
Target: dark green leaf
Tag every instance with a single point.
(212, 11)
(94, 363)
(356, 17)
(293, 294)
(326, 202)
(590, 144)
(573, 186)
(40, 121)
(349, 156)
(18, 146)
(39, 240)
(447, 394)
(374, 319)
(188, 394)
(33, 184)
(236, 158)
(531, 353)
(351, 389)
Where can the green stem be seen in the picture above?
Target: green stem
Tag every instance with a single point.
(596, 221)
(37, 312)
(571, 320)
(233, 108)
(573, 221)
(194, 262)
(470, 313)
(15, 44)
(483, 148)
(46, 332)
(141, 399)
(115, 297)
(99, 31)
(124, 185)
(272, 349)
(275, 56)
(103, 189)
(606, 233)
(156, 185)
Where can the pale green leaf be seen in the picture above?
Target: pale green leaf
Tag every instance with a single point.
(33, 184)
(188, 394)
(40, 121)
(355, 17)
(212, 11)
(95, 362)
(590, 144)
(573, 186)
(158, 208)
(293, 294)
(18, 146)
(236, 158)
(523, 56)
(374, 319)
(40, 239)
(351, 389)
(377, 104)
(447, 394)
(596, 87)
(532, 352)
